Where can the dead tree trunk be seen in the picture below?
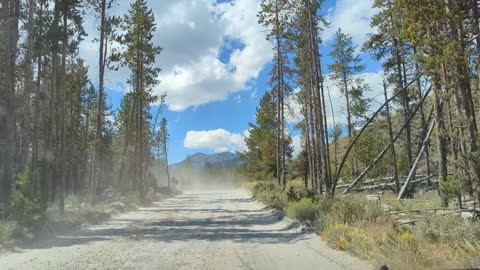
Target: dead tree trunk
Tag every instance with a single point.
(417, 160)
(384, 151)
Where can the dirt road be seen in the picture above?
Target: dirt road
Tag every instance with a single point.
(196, 230)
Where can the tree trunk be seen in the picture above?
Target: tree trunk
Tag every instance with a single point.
(390, 133)
(101, 71)
(369, 121)
(63, 130)
(7, 166)
(384, 151)
(417, 160)
(279, 90)
(442, 139)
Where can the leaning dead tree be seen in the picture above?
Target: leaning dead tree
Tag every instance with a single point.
(369, 121)
(384, 151)
(417, 160)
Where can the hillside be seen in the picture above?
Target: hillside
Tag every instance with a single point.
(201, 160)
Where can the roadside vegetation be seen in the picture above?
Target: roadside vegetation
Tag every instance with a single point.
(63, 148)
(31, 223)
(416, 145)
(366, 229)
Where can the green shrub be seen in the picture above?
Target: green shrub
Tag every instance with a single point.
(452, 188)
(265, 186)
(303, 210)
(269, 193)
(274, 198)
(7, 230)
(28, 209)
(296, 190)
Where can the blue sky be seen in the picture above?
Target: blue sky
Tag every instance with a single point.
(215, 66)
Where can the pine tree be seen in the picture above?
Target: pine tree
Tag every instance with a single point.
(139, 26)
(9, 18)
(388, 45)
(307, 25)
(275, 15)
(346, 66)
(107, 29)
(260, 153)
(442, 52)
(345, 71)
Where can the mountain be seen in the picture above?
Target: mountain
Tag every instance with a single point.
(220, 160)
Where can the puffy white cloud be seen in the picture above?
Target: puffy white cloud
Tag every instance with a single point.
(336, 100)
(203, 77)
(192, 34)
(218, 140)
(353, 17)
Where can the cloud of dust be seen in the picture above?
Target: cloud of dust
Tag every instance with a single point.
(207, 178)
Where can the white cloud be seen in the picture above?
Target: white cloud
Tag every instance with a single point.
(203, 78)
(218, 140)
(373, 79)
(192, 34)
(297, 145)
(353, 17)
(338, 103)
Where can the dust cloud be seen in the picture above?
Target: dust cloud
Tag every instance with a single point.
(198, 179)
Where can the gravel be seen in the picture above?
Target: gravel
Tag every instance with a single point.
(214, 229)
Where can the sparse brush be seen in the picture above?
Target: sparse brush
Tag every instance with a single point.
(400, 250)
(304, 210)
(344, 237)
(360, 226)
(471, 251)
(273, 198)
(449, 228)
(351, 209)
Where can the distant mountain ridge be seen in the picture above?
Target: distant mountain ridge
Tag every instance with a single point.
(201, 160)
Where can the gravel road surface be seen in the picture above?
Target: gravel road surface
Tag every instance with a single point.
(216, 229)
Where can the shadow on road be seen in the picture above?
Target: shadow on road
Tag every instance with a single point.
(191, 217)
